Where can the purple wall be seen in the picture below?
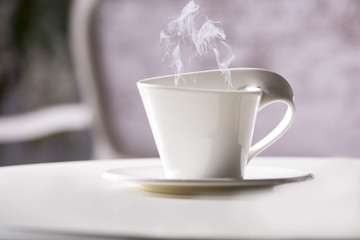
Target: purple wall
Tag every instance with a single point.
(315, 45)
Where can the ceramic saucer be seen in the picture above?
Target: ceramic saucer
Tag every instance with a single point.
(152, 178)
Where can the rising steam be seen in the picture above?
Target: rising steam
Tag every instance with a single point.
(208, 38)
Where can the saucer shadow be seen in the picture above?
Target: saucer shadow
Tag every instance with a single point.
(187, 192)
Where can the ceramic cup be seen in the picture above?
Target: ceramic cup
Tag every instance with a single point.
(203, 128)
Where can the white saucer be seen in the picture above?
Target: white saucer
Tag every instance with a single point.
(152, 178)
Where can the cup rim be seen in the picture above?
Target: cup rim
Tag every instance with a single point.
(251, 89)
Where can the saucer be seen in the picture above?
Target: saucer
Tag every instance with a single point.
(152, 178)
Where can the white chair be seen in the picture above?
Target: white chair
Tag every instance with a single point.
(91, 114)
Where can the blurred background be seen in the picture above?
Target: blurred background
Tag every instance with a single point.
(314, 44)
(36, 72)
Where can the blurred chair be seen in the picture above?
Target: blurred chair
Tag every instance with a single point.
(92, 113)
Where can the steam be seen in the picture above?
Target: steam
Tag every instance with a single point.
(208, 38)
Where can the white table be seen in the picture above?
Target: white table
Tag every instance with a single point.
(71, 200)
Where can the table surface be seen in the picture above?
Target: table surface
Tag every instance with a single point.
(53, 200)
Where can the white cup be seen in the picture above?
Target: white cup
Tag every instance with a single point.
(203, 128)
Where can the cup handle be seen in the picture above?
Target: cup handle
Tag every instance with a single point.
(278, 91)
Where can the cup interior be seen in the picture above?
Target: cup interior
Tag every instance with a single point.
(207, 81)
